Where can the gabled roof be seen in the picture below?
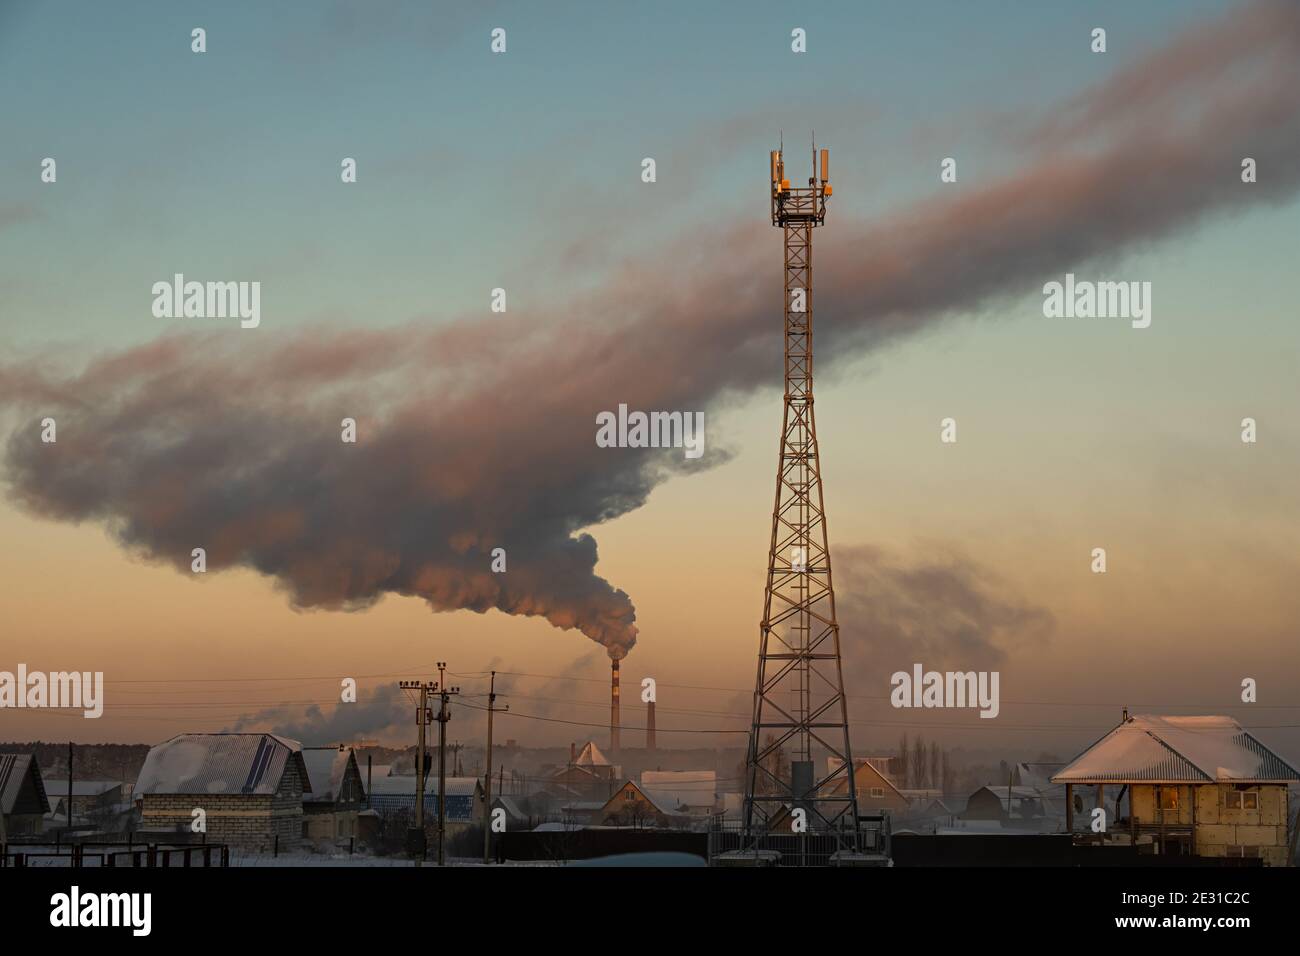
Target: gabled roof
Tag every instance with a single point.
(21, 787)
(1152, 749)
(327, 769)
(865, 772)
(616, 801)
(590, 756)
(220, 763)
(511, 807)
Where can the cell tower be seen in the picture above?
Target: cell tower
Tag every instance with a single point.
(799, 699)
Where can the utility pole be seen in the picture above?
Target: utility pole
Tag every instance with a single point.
(69, 784)
(422, 721)
(487, 789)
(443, 716)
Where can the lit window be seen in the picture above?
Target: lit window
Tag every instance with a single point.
(877, 791)
(1243, 800)
(1168, 798)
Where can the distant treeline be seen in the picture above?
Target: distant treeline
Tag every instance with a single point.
(90, 761)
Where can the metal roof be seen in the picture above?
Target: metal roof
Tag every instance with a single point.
(220, 763)
(1153, 749)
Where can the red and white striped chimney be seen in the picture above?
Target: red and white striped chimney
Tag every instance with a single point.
(614, 722)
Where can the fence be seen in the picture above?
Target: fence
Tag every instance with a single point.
(729, 845)
(128, 854)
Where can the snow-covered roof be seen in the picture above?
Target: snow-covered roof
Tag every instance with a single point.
(590, 756)
(326, 769)
(80, 788)
(220, 763)
(680, 788)
(1152, 749)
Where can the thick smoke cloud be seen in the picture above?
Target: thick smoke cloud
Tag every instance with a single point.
(946, 612)
(478, 433)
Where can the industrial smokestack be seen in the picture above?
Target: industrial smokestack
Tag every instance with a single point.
(650, 726)
(613, 709)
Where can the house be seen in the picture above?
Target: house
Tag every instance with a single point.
(90, 798)
(687, 792)
(875, 791)
(514, 816)
(630, 806)
(937, 811)
(337, 794)
(1194, 785)
(588, 776)
(394, 798)
(23, 801)
(249, 788)
(1009, 804)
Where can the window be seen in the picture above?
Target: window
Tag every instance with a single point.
(877, 792)
(1238, 799)
(629, 795)
(1245, 852)
(1168, 798)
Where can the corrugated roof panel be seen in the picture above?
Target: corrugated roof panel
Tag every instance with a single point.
(1155, 749)
(219, 763)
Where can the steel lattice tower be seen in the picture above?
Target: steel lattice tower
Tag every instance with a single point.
(799, 702)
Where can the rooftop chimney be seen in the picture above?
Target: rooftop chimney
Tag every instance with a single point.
(613, 710)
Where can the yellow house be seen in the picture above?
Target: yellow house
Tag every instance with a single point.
(630, 806)
(876, 793)
(1194, 785)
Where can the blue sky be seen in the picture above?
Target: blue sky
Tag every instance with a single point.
(523, 170)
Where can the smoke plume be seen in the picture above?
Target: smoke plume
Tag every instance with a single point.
(477, 434)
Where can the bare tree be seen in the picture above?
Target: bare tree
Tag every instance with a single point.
(918, 763)
(934, 765)
(904, 770)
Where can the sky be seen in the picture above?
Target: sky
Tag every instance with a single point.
(522, 170)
